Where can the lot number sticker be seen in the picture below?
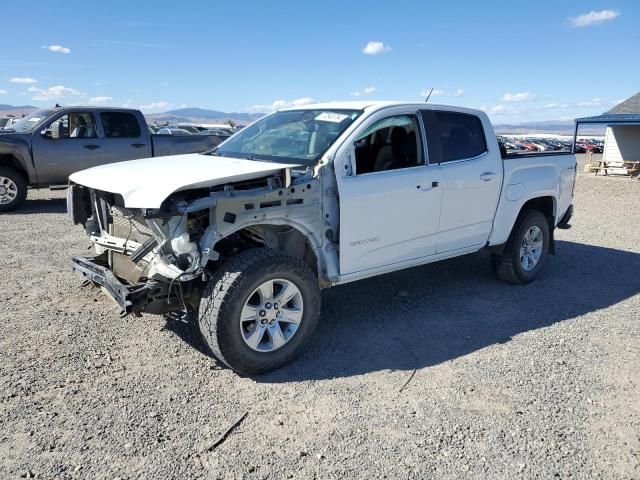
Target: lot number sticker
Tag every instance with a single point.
(331, 117)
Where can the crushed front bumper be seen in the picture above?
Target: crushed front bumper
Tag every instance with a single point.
(131, 298)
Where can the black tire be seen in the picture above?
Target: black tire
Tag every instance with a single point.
(226, 294)
(508, 266)
(20, 189)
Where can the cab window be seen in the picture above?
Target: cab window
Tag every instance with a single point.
(461, 136)
(72, 125)
(389, 144)
(120, 124)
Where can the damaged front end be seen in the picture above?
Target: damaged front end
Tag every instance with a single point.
(146, 260)
(158, 260)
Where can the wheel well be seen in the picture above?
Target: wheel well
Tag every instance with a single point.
(546, 205)
(13, 163)
(542, 204)
(277, 237)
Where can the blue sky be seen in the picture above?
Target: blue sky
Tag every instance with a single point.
(518, 60)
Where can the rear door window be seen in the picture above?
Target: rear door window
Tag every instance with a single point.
(460, 135)
(120, 124)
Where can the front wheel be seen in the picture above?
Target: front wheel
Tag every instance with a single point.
(525, 250)
(13, 189)
(259, 310)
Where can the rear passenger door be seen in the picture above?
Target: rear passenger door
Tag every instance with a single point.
(125, 137)
(470, 176)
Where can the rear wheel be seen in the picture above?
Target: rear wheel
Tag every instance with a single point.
(525, 250)
(13, 189)
(259, 310)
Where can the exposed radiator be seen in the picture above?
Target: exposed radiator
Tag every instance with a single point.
(127, 226)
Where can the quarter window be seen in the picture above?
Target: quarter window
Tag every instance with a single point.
(120, 124)
(389, 144)
(461, 135)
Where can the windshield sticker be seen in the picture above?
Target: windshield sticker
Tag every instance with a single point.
(331, 117)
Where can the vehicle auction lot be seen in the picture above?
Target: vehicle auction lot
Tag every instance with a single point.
(510, 381)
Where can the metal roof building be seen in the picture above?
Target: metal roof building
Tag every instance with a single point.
(622, 139)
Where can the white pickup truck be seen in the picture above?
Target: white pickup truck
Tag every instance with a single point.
(247, 234)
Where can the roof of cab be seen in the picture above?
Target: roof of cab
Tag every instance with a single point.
(92, 108)
(377, 105)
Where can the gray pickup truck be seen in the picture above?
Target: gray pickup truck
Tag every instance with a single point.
(45, 147)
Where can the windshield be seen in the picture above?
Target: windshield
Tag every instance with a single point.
(28, 123)
(294, 136)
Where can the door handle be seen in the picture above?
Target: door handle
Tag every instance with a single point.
(138, 145)
(91, 147)
(487, 176)
(426, 189)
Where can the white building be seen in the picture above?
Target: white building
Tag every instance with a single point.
(622, 139)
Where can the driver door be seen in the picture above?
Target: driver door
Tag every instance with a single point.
(389, 196)
(68, 144)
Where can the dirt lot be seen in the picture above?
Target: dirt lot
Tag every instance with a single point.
(539, 381)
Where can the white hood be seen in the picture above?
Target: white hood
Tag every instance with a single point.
(148, 182)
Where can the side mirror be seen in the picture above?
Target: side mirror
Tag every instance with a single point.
(348, 159)
(55, 130)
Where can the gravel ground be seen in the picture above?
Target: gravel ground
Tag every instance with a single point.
(537, 381)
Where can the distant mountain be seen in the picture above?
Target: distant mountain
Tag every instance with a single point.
(552, 126)
(15, 110)
(213, 114)
(201, 115)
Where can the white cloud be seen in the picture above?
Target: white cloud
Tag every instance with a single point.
(443, 92)
(23, 80)
(279, 104)
(100, 99)
(364, 91)
(164, 84)
(154, 106)
(302, 101)
(503, 110)
(436, 92)
(375, 48)
(594, 102)
(593, 18)
(54, 93)
(58, 49)
(518, 97)
(3, 92)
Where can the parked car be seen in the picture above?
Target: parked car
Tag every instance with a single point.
(45, 147)
(189, 128)
(173, 131)
(246, 235)
(529, 145)
(540, 145)
(216, 131)
(5, 122)
(581, 147)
